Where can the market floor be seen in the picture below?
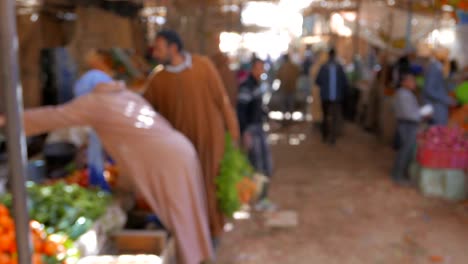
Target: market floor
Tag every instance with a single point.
(349, 211)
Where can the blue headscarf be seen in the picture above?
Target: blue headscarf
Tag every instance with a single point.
(95, 154)
(89, 81)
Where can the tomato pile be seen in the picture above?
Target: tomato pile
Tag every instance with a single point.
(78, 177)
(82, 178)
(46, 249)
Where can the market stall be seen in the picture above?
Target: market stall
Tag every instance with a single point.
(85, 219)
(72, 220)
(441, 163)
(69, 218)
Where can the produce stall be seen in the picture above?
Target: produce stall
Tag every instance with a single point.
(442, 163)
(47, 248)
(85, 221)
(89, 223)
(73, 221)
(65, 214)
(82, 221)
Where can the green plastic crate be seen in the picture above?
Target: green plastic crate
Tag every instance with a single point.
(448, 184)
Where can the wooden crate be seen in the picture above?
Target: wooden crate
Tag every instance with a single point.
(140, 242)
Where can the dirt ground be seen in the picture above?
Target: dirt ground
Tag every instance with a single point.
(349, 211)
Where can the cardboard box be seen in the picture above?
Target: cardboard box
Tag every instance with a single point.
(96, 239)
(135, 246)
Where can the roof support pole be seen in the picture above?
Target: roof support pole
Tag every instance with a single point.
(16, 142)
(357, 28)
(409, 25)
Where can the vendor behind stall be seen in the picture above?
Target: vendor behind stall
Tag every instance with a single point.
(161, 163)
(435, 91)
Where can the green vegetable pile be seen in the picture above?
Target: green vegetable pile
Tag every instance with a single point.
(234, 167)
(64, 209)
(461, 92)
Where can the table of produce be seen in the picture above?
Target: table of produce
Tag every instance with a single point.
(60, 214)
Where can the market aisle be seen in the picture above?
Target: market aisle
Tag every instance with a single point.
(349, 211)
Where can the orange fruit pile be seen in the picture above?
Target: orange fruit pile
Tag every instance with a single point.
(246, 190)
(43, 245)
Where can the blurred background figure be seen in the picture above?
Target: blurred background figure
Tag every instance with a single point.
(356, 77)
(333, 88)
(304, 82)
(243, 72)
(308, 60)
(401, 68)
(252, 115)
(288, 74)
(316, 105)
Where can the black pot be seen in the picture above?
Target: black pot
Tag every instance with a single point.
(59, 155)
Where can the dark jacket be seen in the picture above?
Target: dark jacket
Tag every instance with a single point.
(250, 109)
(323, 81)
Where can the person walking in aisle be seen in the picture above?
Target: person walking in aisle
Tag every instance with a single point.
(316, 105)
(333, 89)
(189, 92)
(288, 74)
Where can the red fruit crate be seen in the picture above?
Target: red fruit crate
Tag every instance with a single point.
(442, 159)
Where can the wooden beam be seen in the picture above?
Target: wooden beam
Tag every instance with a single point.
(357, 28)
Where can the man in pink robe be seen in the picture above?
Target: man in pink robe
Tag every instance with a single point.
(161, 163)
